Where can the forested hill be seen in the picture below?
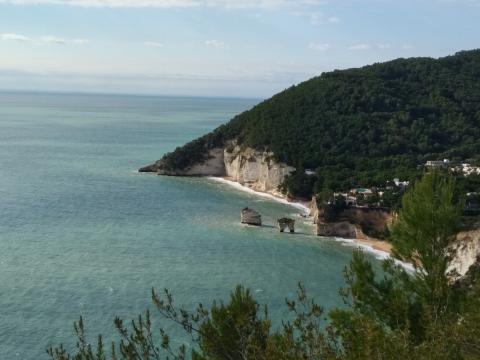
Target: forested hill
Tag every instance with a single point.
(363, 126)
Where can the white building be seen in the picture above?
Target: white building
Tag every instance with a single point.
(437, 163)
(468, 169)
(402, 184)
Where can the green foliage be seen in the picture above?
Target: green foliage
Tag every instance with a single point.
(234, 331)
(428, 222)
(299, 184)
(414, 316)
(332, 208)
(390, 300)
(392, 199)
(362, 127)
(84, 349)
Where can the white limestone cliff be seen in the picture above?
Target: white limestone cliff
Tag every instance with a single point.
(252, 168)
(467, 252)
(255, 169)
(213, 166)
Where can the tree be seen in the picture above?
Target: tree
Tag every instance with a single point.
(299, 184)
(428, 223)
(411, 315)
(391, 199)
(234, 331)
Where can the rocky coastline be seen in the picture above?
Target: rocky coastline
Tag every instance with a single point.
(258, 172)
(249, 167)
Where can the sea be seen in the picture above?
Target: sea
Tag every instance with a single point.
(82, 233)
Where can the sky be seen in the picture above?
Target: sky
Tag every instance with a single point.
(231, 48)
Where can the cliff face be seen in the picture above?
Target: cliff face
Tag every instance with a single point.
(341, 229)
(255, 169)
(352, 223)
(212, 166)
(467, 252)
(357, 223)
(249, 167)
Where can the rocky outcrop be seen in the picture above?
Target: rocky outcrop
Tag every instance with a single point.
(149, 168)
(283, 223)
(252, 168)
(352, 223)
(372, 222)
(364, 223)
(255, 169)
(314, 210)
(212, 166)
(251, 217)
(342, 229)
(466, 253)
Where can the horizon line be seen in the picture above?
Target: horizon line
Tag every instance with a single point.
(107, 93)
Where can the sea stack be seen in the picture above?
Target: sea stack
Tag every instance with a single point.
(283, 223)
(251, 217)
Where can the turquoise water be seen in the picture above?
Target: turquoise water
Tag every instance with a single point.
(82, 233)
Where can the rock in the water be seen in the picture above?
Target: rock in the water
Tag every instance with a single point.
(251, 217)
(283, 223)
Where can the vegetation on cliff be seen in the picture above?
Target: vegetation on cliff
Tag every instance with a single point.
(361, 127)
(393, 315)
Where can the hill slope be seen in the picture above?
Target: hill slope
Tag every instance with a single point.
(361, 126)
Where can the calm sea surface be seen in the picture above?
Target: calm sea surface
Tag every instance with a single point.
(81, 233)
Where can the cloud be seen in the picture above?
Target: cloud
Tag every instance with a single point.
(229, 4)
(53, 40)
(153, 44)
(381, 46)
(384, 46)
(408, 47)
(360, 47)
(48, 39)
(253, 80)
(15, 37)
(317, 18)
(215, 44)
(319, 46)
(79, 41)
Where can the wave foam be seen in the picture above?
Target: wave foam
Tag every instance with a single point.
(378, 254)
(241, 187)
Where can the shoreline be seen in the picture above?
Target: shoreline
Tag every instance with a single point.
(379, 249)
(298, 205)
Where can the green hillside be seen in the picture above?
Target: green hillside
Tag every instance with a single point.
(362, 126)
